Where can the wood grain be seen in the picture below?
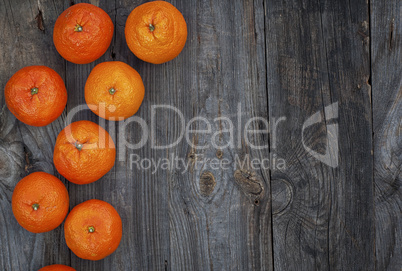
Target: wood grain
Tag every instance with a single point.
(386, 56)
(220, 230)
(317, 57)
(26, 39)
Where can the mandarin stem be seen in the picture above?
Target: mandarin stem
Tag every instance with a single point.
(34, 90)
(35, 206)
(78, 146)
(112, 91)
(78, 28)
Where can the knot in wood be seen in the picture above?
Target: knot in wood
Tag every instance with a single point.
(207, 183)
(250, 184)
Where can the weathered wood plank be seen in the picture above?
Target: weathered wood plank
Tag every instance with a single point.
(26, 39)
(386, 55)
(110, 187)
(220, 228)
(143, 194)
(317, 56)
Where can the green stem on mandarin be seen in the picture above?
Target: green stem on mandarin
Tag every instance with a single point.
(78, 146)
(78, 28)
(91, 229)
(34, 91)
(112, 91)
(151, 27)
(35, 206)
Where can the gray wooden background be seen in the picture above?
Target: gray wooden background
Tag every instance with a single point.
(270, 58)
